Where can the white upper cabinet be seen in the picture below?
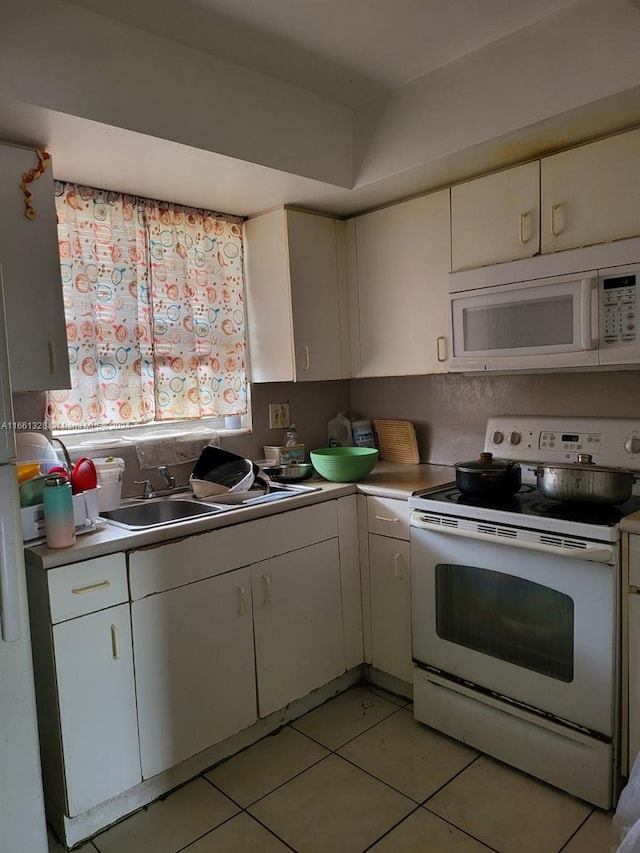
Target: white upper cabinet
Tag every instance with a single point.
(31, 276)
(591, 194)
(296, 297)
(496, 218)
(398, 263)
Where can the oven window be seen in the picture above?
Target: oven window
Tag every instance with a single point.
(506, 617)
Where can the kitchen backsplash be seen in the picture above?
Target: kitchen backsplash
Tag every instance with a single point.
(449, 411)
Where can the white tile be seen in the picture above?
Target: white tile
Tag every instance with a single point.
(259, 769)
(423, 832)
(408, 755)
(384, 694)
(594, 836)
(509, 810)
(241, 834)
(170, 824)
(343, 718)
(334, 807)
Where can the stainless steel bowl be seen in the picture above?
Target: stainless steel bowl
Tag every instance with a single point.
(290, 473)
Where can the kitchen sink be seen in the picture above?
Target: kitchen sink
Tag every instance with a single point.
(156, 512)
(153, 513)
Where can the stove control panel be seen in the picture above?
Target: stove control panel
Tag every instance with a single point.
(612, 442)
(588, 442)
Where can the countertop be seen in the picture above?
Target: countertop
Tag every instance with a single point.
(388, 479)
(631, 523)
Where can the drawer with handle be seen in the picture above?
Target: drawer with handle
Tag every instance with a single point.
(388, 517)
(87, 586)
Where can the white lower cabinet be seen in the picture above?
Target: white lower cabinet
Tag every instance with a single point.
(83, 665)
(98, 725)
(194, 668)
(145, 660)
(390, 606)
(386, 585)
(633, 662)
(298, 623)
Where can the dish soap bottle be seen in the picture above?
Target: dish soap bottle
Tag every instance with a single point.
(339, 432)
(292, 451)
(290, 437)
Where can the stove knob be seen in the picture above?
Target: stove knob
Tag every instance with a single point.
(514, 438)
(498, 437)
(632, 445)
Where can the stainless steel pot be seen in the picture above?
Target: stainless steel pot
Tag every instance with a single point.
(584, 482)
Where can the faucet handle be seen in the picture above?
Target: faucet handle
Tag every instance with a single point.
(147, 491)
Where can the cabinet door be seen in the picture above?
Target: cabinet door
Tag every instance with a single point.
(298, 623)
(294, 292)
(590, 194)
(313, 266)
(96, 694)
(634, 677)
(194, 668)
(390, 606)
(31, 277)
(400, 291)
(496, 218)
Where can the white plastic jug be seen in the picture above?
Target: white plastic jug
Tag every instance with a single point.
(339, 432)
(109, 470)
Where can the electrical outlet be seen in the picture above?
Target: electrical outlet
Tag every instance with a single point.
(279, 417)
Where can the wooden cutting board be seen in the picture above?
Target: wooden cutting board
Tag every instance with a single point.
(397, 441)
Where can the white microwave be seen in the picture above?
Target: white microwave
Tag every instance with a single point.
(587, 319)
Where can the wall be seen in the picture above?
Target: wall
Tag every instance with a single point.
(450, 411)
(311, 405)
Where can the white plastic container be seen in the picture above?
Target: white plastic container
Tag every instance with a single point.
(110, 470)
(339, 432)
(363, 435)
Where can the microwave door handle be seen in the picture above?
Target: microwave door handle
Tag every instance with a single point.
(588, 313)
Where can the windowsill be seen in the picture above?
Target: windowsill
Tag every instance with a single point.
(115, 439)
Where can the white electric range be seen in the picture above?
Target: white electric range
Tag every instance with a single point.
(516, 610)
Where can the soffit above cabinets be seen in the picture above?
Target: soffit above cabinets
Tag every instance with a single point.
(338, 107)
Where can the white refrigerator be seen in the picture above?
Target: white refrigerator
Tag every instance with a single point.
(22, 820)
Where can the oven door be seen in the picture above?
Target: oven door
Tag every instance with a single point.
(536, 624)
(547, 323)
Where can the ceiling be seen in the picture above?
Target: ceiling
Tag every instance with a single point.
(360, 57)
(351, 51)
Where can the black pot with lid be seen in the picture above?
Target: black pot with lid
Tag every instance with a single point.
(488, 477)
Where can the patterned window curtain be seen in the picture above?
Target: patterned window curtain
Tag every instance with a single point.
(153, 297)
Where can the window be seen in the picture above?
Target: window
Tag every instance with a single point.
(153, 296)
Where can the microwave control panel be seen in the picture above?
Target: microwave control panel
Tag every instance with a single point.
(619, 308)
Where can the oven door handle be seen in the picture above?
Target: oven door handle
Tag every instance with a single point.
(601, 554)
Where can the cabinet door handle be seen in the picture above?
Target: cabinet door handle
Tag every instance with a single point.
(307, 358)
(115, 643)
(94, 587)
(554, 209)
(387, 518)
(523, 218)
(51, 348)
(243, 599)
(267, 589)
(441, 349)
(397, 567)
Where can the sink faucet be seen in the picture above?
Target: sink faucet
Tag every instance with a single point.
(166, 476)
(170, 485)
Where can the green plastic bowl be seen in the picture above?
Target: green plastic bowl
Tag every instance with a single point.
(344, 464)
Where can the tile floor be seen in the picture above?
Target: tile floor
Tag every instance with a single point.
(360, 774)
